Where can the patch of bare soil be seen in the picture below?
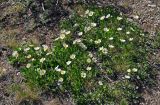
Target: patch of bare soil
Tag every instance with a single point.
(8, 76)
(152, 96)
(148, 12)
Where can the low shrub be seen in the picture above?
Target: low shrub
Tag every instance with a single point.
(98, 58)
(44, 12)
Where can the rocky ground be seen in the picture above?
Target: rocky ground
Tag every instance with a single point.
(145, 13)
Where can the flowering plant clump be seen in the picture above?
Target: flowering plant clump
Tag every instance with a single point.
(99, 58)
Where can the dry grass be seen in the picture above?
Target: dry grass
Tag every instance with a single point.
(8, 37)
(2, 70)
(13, 9)
(23, 91)
(33, 40)
(54, 102)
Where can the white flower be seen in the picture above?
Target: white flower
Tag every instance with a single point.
(63, 31)
(49, 53)
(87, 29)
(106, 29)
(134, 69)
(102, 18)
(97, 41)
(65, 45)
(62, 36)
(90, 55)
(142, 34)
(36, 48)
(100, 83)
(83, 75)
(127, 76)
(93, 24)
(80, 33)
(88, 68)
(67, 32)
(33, 59)
(88, 60)
(28, 65)
(20, 49)
(94, 59)
(119, 29)
(68, 62)
(127, 32)
(75, 25)
(132, 28)
(72, 56)
(60, 80)
(15, 54)
(130, 39)
(91, 13)
(110, 46)
(87, 12)
(108, 16)
(77, 41)
(42, 60)
(82, 45)
(101, 48)
(29, 56)
(56, 39)
(129, 70)
(122, 40)
(38, 69)
(31, 45)
(111, 38)
(105, 51)
(63, 72)
(57, 68)
(42, 72)
(26, 49)
(91, 40)
(119, 18)
(45, 47)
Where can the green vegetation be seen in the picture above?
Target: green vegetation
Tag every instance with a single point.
(99, 58)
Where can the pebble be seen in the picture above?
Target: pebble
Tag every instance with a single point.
(152, 5)
(135, 16)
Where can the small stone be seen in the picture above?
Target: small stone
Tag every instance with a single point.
(135, 16)
(152, 5)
